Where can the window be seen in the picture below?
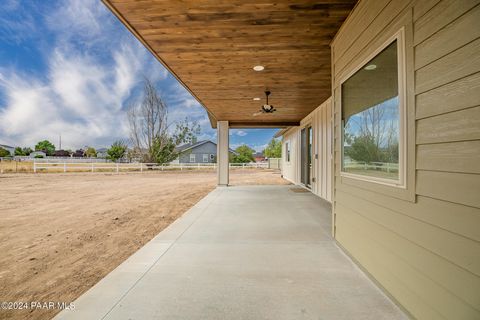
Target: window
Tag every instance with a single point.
(192, 157)
(287, 150)
(373, 118)
(205, 158)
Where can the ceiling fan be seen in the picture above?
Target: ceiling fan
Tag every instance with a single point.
(266, 108)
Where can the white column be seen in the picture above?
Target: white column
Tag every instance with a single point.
(222, 153)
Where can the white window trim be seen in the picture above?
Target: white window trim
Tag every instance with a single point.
(205, 157)
(192, 159)
(402, 158)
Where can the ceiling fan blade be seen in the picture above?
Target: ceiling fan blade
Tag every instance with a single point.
(257, 113)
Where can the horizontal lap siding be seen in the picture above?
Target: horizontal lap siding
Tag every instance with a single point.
(426, 252)
(460, 94)
(462, 157)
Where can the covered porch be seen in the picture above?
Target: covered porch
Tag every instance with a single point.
(243, 252)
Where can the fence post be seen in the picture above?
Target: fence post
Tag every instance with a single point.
(141, 167)
(117, 167)
(181, 167)
(198, 166)
(92, 165)
(64, 166)
(34, 166)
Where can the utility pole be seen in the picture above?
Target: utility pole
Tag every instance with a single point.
(60, 141)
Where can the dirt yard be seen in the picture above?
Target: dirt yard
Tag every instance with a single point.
(61, 233)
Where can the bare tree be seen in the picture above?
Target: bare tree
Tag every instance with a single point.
(373, 135)
(149, 128)
(148, 121)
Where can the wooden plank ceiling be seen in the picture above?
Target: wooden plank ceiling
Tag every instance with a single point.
(211, 47)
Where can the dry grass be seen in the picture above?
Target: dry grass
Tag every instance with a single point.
(61, 233)
(15, 166)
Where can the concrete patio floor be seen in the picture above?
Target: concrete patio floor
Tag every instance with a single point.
(253, 252)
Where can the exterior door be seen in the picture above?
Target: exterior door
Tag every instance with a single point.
(306, 156)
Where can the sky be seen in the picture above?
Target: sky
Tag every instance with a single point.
(70, 68)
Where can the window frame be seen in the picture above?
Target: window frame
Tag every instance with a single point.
(194, 157)
(402, 106)
(205, 157)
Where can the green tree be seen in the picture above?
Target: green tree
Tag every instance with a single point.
(19, 152)
(363, 149)
(244, 154)
(91, 152)
(117, 151)
(45, 146)
(163, 150)
(27, 151)
(4, 152)
(274, 149)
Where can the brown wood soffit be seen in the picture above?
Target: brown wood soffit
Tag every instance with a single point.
(211, 47)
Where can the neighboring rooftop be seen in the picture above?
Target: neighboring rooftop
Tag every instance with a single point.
(189, 146)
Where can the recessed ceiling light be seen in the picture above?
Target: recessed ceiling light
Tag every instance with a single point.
(258, 68)
(371, 67)
(256, 99)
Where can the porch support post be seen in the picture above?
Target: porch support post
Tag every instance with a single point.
(222, 153)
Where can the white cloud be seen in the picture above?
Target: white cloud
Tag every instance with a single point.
(182, 105)
(259, 148)
(81, 96)
(241, 133)
(92, 72)
(80, 21)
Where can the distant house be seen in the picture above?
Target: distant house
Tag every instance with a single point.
(8, 148)
(200, 152)
(259, 157)
(38, 154)
(102, 153)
